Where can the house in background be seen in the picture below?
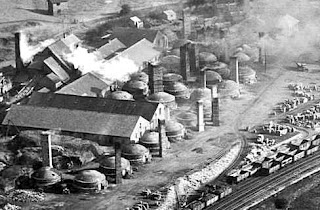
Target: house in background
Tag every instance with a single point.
(55, 7)
(170, 15)
(136, 22)
(288, 25)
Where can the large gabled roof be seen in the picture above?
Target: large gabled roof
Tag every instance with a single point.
(130, 36)
(141, 52)
(55, 67)
(110, 48)
(79, 121)
(86, 103)
(71, 40)
(87, 85)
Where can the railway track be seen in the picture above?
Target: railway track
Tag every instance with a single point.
(255, 187)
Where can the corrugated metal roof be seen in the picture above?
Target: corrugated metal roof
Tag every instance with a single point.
(139, 53)
(55, 67)
(87, 85)
(86, 103)
(80, 121)
(110, 48)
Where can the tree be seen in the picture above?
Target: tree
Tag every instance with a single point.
(281, 203)
(125, 9)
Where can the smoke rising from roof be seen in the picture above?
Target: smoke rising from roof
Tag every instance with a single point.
(118, 69)
(27, 51)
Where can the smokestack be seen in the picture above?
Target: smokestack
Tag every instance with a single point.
(194, 58)
(261, 34)
(184, 62)
(155, 78)
(200, 124)
(162, 135)
(117, 148)
(234, 66)
(46, 148)
(186, 28)
(19, 63)
(215, 106)
(203, 78)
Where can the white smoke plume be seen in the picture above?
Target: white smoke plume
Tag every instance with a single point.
(27, 51)
(117, 69)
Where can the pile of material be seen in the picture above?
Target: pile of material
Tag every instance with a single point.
(136, 153)
(228, 88)
(187, 119)
(247, 75)
(174, 131)
(89, 181)
(140, 76)
(107, 166)
(137, 88)
(150, 140)
(178, 89)
(9, 206)
(162, 97)
(25, 196)
(171, 63)
(120, 95)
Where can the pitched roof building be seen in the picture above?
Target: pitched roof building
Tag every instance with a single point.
(140, 53)
(87, 85)
(109, 49)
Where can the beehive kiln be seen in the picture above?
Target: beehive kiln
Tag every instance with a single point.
(45, 177)
(242, 57)
(171, 63)
(178, 89)
(174, 131)
(228, 88)
(136, 153)
(171, 78)
(247, 75)
(222, 69)
(203, 94)
(137, 88)
(107, 166)
(164, 98)
(120, 95)
(213, 78)
(187, 119)
(206, 58)
(150, 140)
(140, 76)
(90, 180)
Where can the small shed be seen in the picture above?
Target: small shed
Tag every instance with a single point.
(55, 7)
(170, 15)
(136, 22)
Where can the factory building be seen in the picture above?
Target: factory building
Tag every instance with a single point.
(87, 85)
(149, 111)
(107, 50)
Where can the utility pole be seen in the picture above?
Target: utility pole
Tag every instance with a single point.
(265, 60)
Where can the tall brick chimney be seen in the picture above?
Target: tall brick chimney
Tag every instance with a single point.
(19, 63)
(200, 116)
(193, 58)
(117, 148)
(162, 135)
(234, 67)
(155, 78)
(46, 138)
(186, 28)
(184, 62)
(215, 106)
(203, 78)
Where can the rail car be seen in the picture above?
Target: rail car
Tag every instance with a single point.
(267, 166)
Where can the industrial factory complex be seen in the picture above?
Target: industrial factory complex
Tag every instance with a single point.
(189, 105)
